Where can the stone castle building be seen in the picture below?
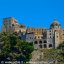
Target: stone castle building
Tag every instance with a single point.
(45, 38)
(10, 24)
(40, 37)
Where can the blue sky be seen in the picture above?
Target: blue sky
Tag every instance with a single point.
(34, 13)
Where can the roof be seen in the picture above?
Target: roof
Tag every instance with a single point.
(55, 22)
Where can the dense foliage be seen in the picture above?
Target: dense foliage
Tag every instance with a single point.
(13, 48)
(55, 55)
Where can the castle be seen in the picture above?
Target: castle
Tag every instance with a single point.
(40, 37)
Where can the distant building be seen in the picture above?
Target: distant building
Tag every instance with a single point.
(10, 24)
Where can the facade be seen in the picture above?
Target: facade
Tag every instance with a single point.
(38, 31)
(40, 37)
(46, 38)
(10, 24)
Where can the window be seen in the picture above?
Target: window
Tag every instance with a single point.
(35, 42)
(42, 37)
(35, 38)
(45, 46)
(50, 45)
(57, 36)
(38, 37)
(30, 37)
(40, 46)
(45, 41)
(50, 34)
(40, 42)
(50, 30)
(12, 24)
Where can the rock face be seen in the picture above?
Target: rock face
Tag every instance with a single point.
(37, 57)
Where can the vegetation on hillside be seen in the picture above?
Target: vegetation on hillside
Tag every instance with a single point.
(13, 48)
(56, 55)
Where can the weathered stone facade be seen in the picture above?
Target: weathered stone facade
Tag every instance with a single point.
(40, 37)
(46, 38)
(10, 24)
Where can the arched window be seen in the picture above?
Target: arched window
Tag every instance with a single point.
(50, 45)
(40, 42)
(45, 46)
(40, 46)
(35, 42)
(12, 24)
(45, 41)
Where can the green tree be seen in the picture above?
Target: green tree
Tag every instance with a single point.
(13, 48)
(53, 55)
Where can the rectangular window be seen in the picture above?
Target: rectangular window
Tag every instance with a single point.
(50, 36)
(57, 36)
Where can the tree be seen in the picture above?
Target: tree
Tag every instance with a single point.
(53, 55)
(13, 48)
